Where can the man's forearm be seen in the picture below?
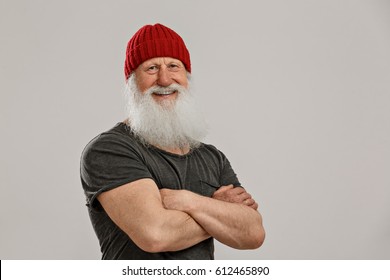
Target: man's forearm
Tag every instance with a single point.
(233, 224)
(178, 231)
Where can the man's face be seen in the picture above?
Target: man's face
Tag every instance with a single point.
(161, 108)
(163, 72)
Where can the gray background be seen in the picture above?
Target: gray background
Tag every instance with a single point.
(297, 94)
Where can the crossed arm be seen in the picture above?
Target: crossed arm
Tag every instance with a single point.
(172, 220)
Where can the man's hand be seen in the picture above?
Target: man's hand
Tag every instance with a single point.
(235, 195)
(176, 199)
(225, 216)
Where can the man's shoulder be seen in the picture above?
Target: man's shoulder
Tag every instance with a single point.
(211, 149)
(114, 139)
(119, 132)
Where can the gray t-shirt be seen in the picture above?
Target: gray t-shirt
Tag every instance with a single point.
(116, 157)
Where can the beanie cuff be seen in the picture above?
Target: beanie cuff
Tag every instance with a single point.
(159, 48)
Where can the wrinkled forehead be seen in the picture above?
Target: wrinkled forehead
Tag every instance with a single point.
(161, 61)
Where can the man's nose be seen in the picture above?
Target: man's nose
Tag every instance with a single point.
(164, 78)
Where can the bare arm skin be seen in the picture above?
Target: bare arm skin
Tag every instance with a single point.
(138, 210)
(233, 224)
(235, 195)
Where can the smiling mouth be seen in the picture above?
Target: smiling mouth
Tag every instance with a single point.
(165, 93)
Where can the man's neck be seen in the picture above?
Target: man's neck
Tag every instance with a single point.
(177, 151)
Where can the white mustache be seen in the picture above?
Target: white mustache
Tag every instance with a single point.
(165, 90)
(169, 124)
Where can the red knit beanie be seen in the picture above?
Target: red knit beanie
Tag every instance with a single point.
(155, 41)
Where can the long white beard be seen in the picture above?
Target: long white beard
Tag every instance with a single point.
(167, 124)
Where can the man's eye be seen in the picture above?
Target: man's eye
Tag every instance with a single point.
(152, 68)
(174, 66)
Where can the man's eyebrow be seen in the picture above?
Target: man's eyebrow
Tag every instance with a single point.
(149, 64)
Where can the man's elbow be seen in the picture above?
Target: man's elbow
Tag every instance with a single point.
(151, 247)
(258, 238)
(151, 242)
(254, 238)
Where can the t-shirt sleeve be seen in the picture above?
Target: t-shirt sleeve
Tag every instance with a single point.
(228, 176)
(107, 162)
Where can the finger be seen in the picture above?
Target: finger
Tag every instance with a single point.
(249, 202)
(240, 198)
(223, 189)
(255, 206)
(236, 191)
(236, 195)
(239, 189)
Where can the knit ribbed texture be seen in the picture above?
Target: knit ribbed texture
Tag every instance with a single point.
(155, 41)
